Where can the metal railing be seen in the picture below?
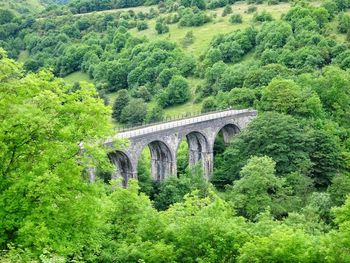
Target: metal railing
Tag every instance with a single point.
(128, 127)
(176, 122)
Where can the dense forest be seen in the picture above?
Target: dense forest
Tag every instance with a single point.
(72, 73)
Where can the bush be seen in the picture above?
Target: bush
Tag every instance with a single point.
(209, 104)
(188, 39)
(262, 17)
(235, 19)
(142, 25)
(178, 91)
(272, 2)
(344, 23)
(227, 10)
(155, 114)
(251, 9)
(161, 27)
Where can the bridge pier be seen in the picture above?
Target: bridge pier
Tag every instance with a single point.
(208, 164)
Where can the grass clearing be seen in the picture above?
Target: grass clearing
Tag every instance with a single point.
(23, 56)
(77, 77)
(179, 111)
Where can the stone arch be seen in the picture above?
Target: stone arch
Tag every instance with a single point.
(124, 167)
(199, 150)
(162, 160)
(228, 131)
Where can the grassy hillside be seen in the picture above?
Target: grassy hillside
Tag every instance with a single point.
(220, 25)
(22, 6)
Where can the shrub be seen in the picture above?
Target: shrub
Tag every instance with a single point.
(235, 19)
(142, 25)
(161, 27)
(227, 10)
(251, 9)
(262, 17)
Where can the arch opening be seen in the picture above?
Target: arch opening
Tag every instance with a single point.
(123, 166)
(223, 138)
(228, 131)
(199, 152)
(159, 161)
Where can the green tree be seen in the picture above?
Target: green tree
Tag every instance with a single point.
(291, 245)
(257, 189)
(119, 104)
(336, 243)
(173, 189)
(209, 104)
(45, 202)
(275, 135)
(134, 112)
(285, 96)
(325, 155)
(178, 91)
(333, 88)
(343, 23)
(6, 16)
(155, 114)
(339, 188)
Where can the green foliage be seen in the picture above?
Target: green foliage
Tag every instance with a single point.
(233, 46)
(236, 19)
(188, 39)
(325, 155)
(119, 104)
(344, 23)
(6, 16)
(142, 25)
(296, 66)
(333, 89)
(189, 17)
(155, 114)
(45, 202)
(161, 27)
(237, 98)
(286, 97)
(275, 135)
(177, 92)
(339, 189)
(209, 104)
(257, 188)
(227, 10)
(288, 244)
(173, 189)
(134, 112)
(251, 9)
(262, 17)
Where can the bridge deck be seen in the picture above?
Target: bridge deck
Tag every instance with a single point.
(178, 123)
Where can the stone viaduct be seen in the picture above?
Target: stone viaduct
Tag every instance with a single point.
(163, 140)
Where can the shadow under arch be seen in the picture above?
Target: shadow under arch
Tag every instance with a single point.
(162, 161)
(123, 166)
(199, 151)
(228, 131)
(223, 137)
